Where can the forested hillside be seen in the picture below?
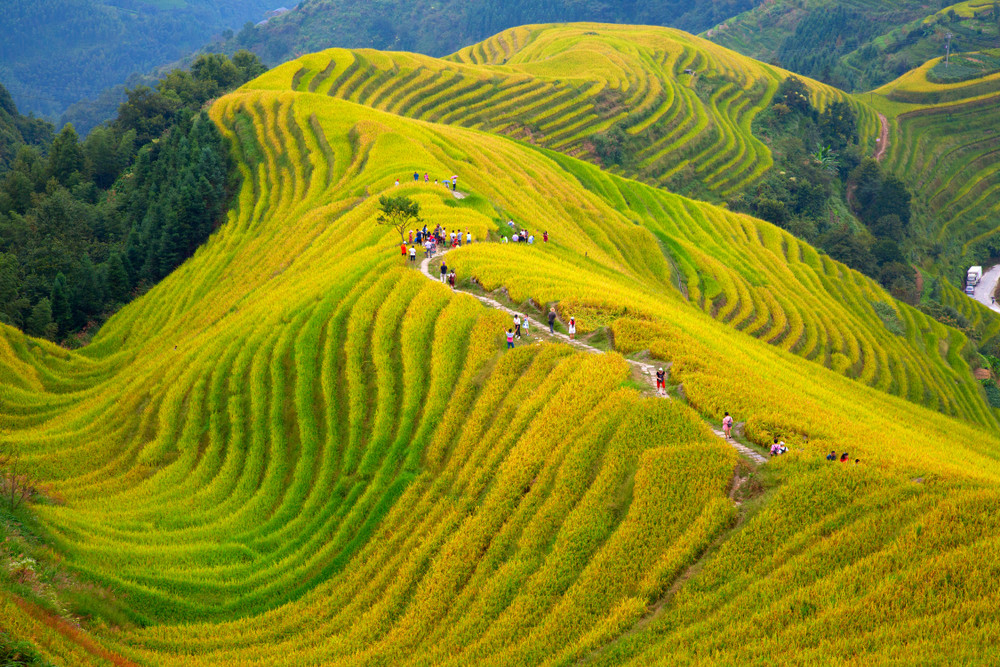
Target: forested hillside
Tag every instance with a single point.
(91, 222)
(440, 27)
(56, 52)
(17, 130)
(859, 45)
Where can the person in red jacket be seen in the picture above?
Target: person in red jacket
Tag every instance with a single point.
(403, 249)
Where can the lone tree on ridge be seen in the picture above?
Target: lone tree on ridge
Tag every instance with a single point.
(398, 213)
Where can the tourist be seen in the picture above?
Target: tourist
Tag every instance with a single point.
(572, 328)
(451, 278)
(844, 457)
(427, 178)
(832, 456)
(727, 426)
(504, 239)
(517, 326)
(416, 176)
(454, 183)
(413, 253)
(661, 381)
(524, 325)
(510, 339)
(403, 248)
(444, 271)
(545, 237)
(468, 237)
(857, 461)
(531, 239)
(775, 448)
(552, 320)
(397, 182)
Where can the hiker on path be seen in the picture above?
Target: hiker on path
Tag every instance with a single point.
(572, 328)
(524, 325)
(402, 247)
(661, 381)
(444, 271)
(468, 237)
(552, 320)
(451, 278)
(727, 426)
(545, 237)
(413, 254)
(517, 326)
(454, 183)
(510, 339)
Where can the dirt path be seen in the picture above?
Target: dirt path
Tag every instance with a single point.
(647, 371)
(883, 137)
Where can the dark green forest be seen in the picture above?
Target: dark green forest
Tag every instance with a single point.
(86, 225)
(17, 130)
(440, 27)
(63, 51)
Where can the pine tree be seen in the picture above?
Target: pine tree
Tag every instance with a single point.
(62, 312)
(40, 321)
(66, 156)
(116, 283)
(86, 292)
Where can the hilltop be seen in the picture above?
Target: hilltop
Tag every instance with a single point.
(440, 27)
(858, 45)
(297, 449)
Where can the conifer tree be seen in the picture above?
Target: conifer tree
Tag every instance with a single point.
(62, 312)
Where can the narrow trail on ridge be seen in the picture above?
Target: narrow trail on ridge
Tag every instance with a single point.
(648, 371)
(883, 137)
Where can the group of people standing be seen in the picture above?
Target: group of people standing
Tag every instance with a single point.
(523, 236)
(427, 179)
(430, 240)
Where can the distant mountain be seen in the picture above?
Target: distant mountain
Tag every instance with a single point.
(56, 52)
(17, 130)
(440, 27)
(858, 44)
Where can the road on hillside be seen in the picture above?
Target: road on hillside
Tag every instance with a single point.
(984, 290)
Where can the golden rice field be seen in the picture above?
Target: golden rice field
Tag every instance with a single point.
(298, 450)
(557, 86)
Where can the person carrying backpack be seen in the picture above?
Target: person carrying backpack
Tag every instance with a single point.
(727, 426)
(661, 381)
(552, 320)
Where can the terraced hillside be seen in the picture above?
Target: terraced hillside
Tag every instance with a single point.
(689, 102)
(945, 144)
(298, 450)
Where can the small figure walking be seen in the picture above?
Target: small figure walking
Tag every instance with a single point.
(510, 339)
(524, 325)
(454, 183)
(572, 328)
(416, 176)
(402, 247)
(545, 237)
(468, 237)
(397, 182)
(552, 320)
(727, 426)
(451, 278)
(517, 326)
(661, 381)
(427, 178)
(444, 272)
(413, 254)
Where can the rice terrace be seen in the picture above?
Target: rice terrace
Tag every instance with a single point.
(309, 444)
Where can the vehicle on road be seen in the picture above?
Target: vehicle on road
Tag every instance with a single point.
(972, 279)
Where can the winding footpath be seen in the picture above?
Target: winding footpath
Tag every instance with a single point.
(648, 371)
(987, 285)
(883, 137)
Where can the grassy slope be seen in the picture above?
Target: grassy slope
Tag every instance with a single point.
(292, 418)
